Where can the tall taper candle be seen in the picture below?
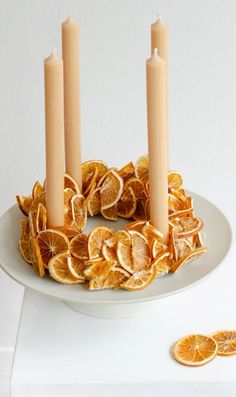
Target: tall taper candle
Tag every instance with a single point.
(157, 142)
(159, 38)
(70, 54)
(54, 130)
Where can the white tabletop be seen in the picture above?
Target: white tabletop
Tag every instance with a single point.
(59, 347)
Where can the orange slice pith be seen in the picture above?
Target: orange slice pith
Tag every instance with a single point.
(51, 242)
(226, 342)
(195, 350)
(134, 252)
(58, 269)
(111, 189)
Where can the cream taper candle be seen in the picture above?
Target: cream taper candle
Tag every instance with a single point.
(54, 134)
(70, 54)
(157, 142)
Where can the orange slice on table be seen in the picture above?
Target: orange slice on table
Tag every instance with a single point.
(94, 202)
(175, 180)
(226, 342)
(110, 213)
(127, 171)
(79, 210)
(36, 257)
(187, 226)
(111, 189)
(139, 280)
(24, 203)
(141, 168)
(114, 279)
(187, 258)
(76, 267)
(195, 350)
(37, 189)
(51, 242)
(96, 239)
(59, 270)
(88, 170)
(79, 246)
(71, 183)
(127, 203)
(24, 245)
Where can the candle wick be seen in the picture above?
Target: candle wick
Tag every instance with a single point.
(158, 17)
(155, 51)
(53, 53)
(69, 19)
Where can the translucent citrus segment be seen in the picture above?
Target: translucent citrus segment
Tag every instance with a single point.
(114, 279)
(161, 265)
(79, 210)
(137, 187)
(37, 189)
(51, 242)
(59, 270)
(190, 256)
(71, 183)
(195, 350)
(175, 180)
(79, 246)
(76, 268)
(89, 168)
(127, 203)
(96, 239)
(111, 189)
(139, 280)
(134, 254)
(99, 269)
(24, 203)
(141, 168)
(226, 342)
(110, 213)
(127, 171)
(94, 202)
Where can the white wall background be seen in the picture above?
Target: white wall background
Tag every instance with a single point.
(115, 41)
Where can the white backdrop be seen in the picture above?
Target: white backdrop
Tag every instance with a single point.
(115, 42)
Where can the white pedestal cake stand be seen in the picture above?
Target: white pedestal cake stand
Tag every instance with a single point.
(118, 303)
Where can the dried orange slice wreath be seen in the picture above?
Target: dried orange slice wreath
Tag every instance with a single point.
(129, 259)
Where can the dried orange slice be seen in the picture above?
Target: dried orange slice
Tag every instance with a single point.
(79, 246)
(24, 203)
(96, 239)
(136, 225)
(127, 203)
(157, 248)
(109, 253)
(195, 350)
(161, 264)
(110, 213)
(111, 189)
(147, 210)
(79, 210)
(70, 231)
(37, 189)
(76, 267)
(226, 342)
(68, 194)
(71, 183)
(141, 168)
(197, 240)
(137, 186)
(175, 180)
(182, 247)
(140, 212)
(187, 258)
(139, 280)
(187, 226)
(174, 203)
(179, 214)
(38, 220)
(127, 171)
(59, 270)
(124, 254)
(140, 251)
(114, 279)
(88, 170)
(51, 242)
(98, 269)
(151, 232)
(36, 257)
(24, 246)
(94, 202)
(41, 198)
